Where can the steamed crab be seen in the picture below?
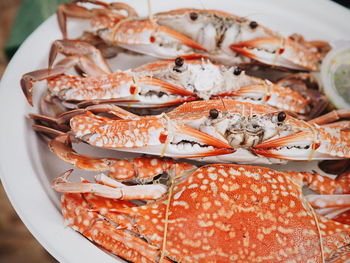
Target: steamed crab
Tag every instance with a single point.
(221, 36)
(217, 213)
(153, 209)
(157, 84)
(211, 131)
(254, 133)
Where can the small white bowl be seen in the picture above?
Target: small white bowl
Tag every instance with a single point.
(336, 68)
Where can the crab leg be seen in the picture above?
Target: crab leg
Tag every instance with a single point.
(141, 169)
(331, 117)
(50, 132)
(105, 232)
(29, 78)
(326, 185)
(333, 198)
(82, 62)
(343, 217)
(78, 48)
(332, 212)
(120, 191)
(342, 125)
(111, 109)
(48, 122)
(122, 6)
(61, 123)
(335, 239)
(149, 38)
(73, 10)
(322, 201)
(282, 52)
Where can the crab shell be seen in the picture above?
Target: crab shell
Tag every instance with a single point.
(215, 30)
(181, 134)
(220, 35)
(209, 80)
(221, 213)
(225, 35)
(157, 84)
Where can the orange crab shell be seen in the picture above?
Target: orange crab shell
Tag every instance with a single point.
(226, 212)
(220, 213)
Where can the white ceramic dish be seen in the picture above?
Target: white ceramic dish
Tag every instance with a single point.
(337, 59)
(26, 165)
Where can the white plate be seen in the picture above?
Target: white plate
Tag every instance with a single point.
(26, 165)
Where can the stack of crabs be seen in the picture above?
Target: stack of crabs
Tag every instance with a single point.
(228, 90)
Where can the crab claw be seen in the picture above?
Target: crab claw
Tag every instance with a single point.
(307, 145)
(114, 189)
(60, 68)
(273, 95)
(29, 78)
(79, 48)
(156, 135)
(152, 92)
(121, 88)
(282, 52)
(297, 146)
(149, 38)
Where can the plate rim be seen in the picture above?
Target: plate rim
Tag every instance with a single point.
(49, 245)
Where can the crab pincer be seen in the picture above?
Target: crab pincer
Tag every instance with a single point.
(157, 135)
(282, 52)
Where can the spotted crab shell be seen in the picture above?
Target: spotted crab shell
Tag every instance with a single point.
(221, 213)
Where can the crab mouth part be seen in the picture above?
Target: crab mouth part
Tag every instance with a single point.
(261, 49)
(298, 147)
(194, 150)
(186, 145)
(181, 149)
(160, 97)
(253, 99)
(245, 132)
(291, 152)
(155, 99)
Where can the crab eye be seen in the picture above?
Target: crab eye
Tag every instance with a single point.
(253, 25)
(281, 116)
(237, 71)
(179, 61)
(213, 113)
(193, 16)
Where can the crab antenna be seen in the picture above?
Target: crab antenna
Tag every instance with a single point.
(223, 103)
(150, 15)
(202, 4)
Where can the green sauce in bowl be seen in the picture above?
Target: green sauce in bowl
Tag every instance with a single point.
(342, 81)
(335, 75)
